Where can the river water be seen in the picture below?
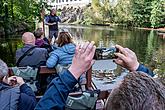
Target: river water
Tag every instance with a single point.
(149, 48)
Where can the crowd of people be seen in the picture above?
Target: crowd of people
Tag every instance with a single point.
(138, 90)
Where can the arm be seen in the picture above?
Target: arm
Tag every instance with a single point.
(145, 70)
(52, 60)
(47, 21)
(59, 19)
(58, 90)
(24, 88)
(128, 59)
(27, 100)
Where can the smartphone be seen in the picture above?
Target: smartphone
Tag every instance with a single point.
(105, 53)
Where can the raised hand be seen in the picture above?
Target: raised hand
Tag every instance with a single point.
(83, 59)
(126, 58)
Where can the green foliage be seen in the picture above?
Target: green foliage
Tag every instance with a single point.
(24, 11)
(122, 12)
(157, 14)
(97, 13)
(139, 13)
(88, 16)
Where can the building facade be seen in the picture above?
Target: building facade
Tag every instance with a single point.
(75, 3)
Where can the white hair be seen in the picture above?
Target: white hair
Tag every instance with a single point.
(3, 69)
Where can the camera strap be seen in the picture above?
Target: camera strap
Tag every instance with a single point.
(26, 53)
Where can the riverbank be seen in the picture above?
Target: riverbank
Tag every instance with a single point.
(16, 27)
(157, 29)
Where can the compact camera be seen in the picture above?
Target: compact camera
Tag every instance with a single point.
(105, 53)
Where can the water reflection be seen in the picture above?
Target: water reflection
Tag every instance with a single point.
(150, 49)
(143, 42)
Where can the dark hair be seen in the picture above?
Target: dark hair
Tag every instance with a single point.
(137, 91)
(64, 38)
(52, 11)
(38, 33)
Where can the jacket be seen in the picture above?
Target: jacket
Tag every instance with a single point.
(53, 19)
(37, 56)
(62, 55)
(145, 70)
(9, 97)
(27, 100)
(58, 90)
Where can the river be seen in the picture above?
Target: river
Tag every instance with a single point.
(149, 48)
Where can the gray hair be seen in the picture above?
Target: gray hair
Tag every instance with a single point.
(3, 69)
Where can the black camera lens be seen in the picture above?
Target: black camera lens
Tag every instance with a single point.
(105, 53)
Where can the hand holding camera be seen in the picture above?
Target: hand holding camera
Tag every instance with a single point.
(15, 80)
(105, 53)
(122, 56)
(126, 58)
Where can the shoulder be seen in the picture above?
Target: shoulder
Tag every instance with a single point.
(40, 49)
(18, 50)
(71, 46)
(56, 51)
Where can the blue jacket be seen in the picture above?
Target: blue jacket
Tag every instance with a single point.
(145, 70)
(62, 55)
(27, 99)
(58, 90)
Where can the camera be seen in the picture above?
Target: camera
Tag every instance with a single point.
(105, 53)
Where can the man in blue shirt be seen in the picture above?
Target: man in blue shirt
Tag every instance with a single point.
(52, 21)
(60, 87)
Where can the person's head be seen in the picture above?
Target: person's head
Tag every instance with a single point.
(53, 12)
(3, 70)
(137, 91)
(28, 38)
(38, 33)
(64, 37)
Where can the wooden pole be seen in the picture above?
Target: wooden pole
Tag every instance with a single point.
(89, 78)
(42, 19)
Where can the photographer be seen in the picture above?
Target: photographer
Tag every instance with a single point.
(60, 87)
(14, 93)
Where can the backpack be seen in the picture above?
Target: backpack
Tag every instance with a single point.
(29, 74)
(9, 97)
(86, 101)
(60, 68)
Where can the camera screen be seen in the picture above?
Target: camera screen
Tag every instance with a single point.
(105, 53)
